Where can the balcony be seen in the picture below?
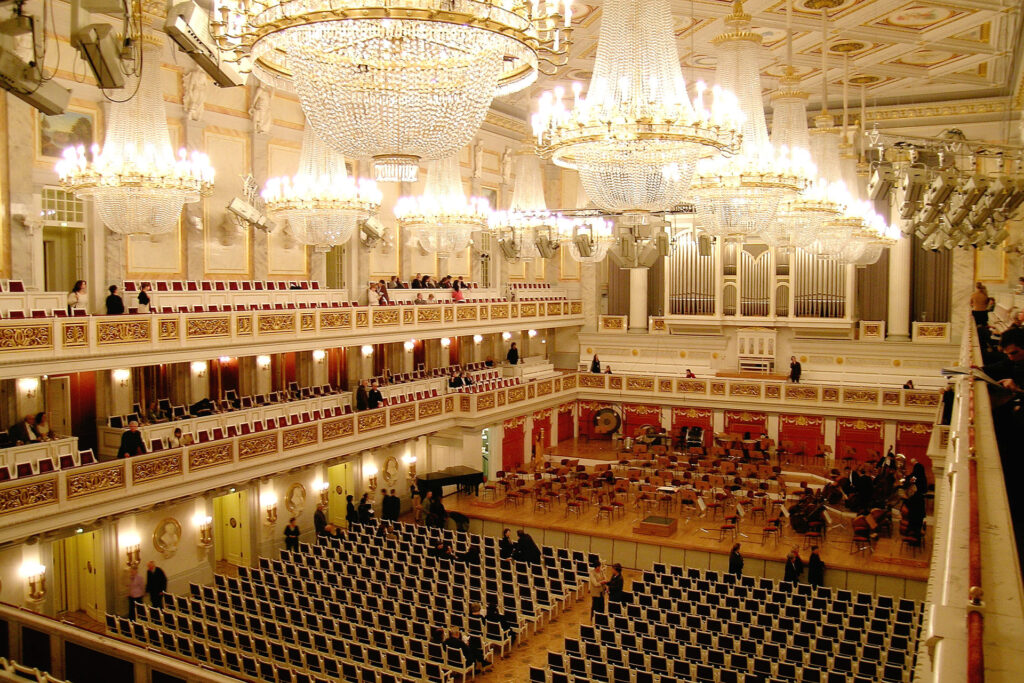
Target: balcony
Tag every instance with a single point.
(95, 342)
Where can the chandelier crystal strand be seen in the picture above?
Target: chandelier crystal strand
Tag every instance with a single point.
(395, 82)
(137, 182)
(321, 202)
(635, 137)
(737, 196)
(441, 219)
(527, 217)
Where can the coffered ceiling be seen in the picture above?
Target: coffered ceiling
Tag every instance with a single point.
(901, 52)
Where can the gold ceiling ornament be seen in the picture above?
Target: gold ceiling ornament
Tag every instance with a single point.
(636, 136)
(395, 81)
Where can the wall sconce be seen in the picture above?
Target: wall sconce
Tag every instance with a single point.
(199, 368)
(371, 473)
(477, 338)
(445, 342)
(506, 335)
(131, 546)
(225, 359)
(532, 333)
(35, 574)
(324, 489)
(367, 350)
(121, 376)
(204, 526)
(263, 361)
(409, 345)
(410, 462)
(28, 386)
(319, 355)
(268, 501)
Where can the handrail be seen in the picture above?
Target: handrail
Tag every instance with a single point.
(975, 620)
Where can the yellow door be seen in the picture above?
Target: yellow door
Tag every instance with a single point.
(340, 478)
(90, 572)
(231, 523)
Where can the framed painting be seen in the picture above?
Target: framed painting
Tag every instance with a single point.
(76, 126)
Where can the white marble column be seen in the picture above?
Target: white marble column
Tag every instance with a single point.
(638, 299)
(589, 295)
(898, 323)
(261, 238)
(195, 230)
(26, 243)
(961, 287)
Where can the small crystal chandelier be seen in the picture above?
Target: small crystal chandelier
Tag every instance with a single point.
(588, 240)
(395, 81)
(527, 217)
(737, 196)
(137, 182)
(442, 219)
(321, 202)
(636, 136)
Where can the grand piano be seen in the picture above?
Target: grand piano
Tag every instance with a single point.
(466, 478)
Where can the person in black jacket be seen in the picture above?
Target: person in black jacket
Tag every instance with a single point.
(131, 441)
(595, 365)
(616, 585)
(526, 548)
(365, 509)
(115, 304)
(794, 370)
(361, 396)
(735, 561)
(291, 536)
(794, 566)
(351, 514)
(506, 546)
(374, 398)
(513, 355)
(815, 568)
(156, 584)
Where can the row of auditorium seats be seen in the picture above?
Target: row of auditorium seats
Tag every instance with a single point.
(433, 285)
(20, 672)
(489, 385)
(356, 609)
(220, 285)
(256, 426)
(12, 287)
(46, 465)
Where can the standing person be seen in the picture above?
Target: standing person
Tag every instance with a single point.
(291, 536)
(365, 509)
(131, 442)
(979, 305)
(156, 584)
(794, 566)
(136, 591)
(374, 398)
(526, 548)
(372, 295)
(145, 303)
(361, 395)
(417, 508)
(595, 365)
(351, 514)
(815, 568)
(395, 508)
(597, 582)
(616, 585)
(385, 507)
(115, 304)
(513, 355)
(77, 297)
(794, 370)
(735, 561)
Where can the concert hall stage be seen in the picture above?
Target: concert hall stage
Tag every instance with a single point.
(889, 570)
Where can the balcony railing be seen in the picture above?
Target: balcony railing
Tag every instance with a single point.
(101, 335)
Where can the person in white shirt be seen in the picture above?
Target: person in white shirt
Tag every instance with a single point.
(77, 298)
(372, 295)
(597, 581)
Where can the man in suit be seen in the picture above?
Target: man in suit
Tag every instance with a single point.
(395, 506)
(24, 431)
(131, 441)
(416, 284)
(115, 304)
(156, 584)
(374, 398)
(361, 395)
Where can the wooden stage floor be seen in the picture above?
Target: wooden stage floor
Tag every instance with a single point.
(695, 532)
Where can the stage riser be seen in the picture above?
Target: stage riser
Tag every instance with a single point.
(642, 556)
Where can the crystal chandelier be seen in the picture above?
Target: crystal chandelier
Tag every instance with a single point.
(527, 217)
(636, 136)
(321, 203)
(737, 196)
(138, 184)
(442, 219)
(395, 81)
(588, 240)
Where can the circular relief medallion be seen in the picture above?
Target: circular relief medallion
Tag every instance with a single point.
(390, 469)
(166, 536)
(295, 499)
(233, 522)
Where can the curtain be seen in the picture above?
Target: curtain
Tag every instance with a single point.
(912, 441)
(636, 416)
(513, 444)
(873, 289)
(741, 422)
(862, 438)
(693, 417)
(930, 283)
(565, 422)
(801, 432)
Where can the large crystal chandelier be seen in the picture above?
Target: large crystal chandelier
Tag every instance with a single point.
(442, 219)
(737, 196)
(636, 135)
(137, 182)
(395, 81)
(321, 202)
